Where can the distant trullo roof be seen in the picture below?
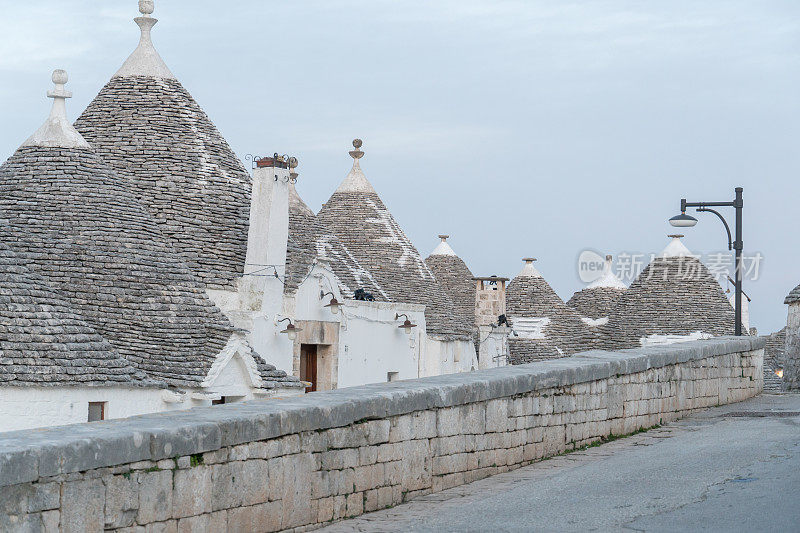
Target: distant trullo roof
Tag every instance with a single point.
(309, 242)
(675, 295)
(44, 342)
(596, 300)
(151, 131)
(455, 278)
(544, 327)
(81, 228)
(793, 297)
(358, 217)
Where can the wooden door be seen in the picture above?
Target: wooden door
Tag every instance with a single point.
(308, 365)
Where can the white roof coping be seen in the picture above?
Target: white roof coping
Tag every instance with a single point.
(676, 248)
(608, 279)
(57, 132)
(443, 248)
(529, 271)
(356, 181)
(145, 61)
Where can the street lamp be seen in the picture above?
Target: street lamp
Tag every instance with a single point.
(685, 221)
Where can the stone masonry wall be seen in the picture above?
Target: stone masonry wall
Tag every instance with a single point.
(300, 462)
(791, 368)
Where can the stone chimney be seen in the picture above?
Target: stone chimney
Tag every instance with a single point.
(490, 300)
(268, 235)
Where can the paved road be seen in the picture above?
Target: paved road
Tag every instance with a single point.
(733, 468)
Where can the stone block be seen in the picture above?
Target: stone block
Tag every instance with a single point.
(368, 455)
(276, 468)
(497, 415)
(325, 509)
(385, 497)
(155, 496)
(339, 459)
(254, 482)
(255, 519)
(371, 500)
(296, 497)
(192, 492)
(82, 506)
(355, 504)
(416, 465)
(121, 500)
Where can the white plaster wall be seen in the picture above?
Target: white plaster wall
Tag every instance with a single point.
(233, 380)
(371, 345)
(447, 357)
(493, 347)
(34, 407)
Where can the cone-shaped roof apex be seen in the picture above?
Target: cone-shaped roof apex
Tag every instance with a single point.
(675, 248)
(57, 132)
(444, 248)
(145, 61)
(608, 279)
(356, 181)
(529, 271)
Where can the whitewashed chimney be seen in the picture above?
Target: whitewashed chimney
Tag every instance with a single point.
(268, 235)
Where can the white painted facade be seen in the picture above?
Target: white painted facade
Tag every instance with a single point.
(369, 345)
(662, 340)
(35, 407)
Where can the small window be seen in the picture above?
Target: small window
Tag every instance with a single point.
(221, 401)
(97, 411)
(392, 376)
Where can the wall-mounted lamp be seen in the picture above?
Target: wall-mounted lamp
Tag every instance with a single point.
(291, 330)
(406, 326)
(333, 305)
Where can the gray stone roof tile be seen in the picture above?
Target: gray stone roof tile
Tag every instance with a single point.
(530, 296)
(793, 296)
(152, 131)
(83, 231)
(595, 302)
(674, 295)
(43, 342)
(357, 216)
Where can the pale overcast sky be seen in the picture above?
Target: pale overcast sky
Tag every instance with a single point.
(520, 127)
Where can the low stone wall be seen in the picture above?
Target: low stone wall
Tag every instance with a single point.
(299, 462)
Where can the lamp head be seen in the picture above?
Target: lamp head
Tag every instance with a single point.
(683, 221)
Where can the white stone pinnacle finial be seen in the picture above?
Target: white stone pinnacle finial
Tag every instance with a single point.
(443, 248)
(146, 7)
(57, 132)
(357, 153)
(145, 61)
(529, 271)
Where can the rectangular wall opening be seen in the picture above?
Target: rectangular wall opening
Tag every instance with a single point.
(97, 411)
(308, 365)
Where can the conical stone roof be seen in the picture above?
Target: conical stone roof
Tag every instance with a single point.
(150, 130)
(310, 242)
(83, 230)
(360, 220)
(43, 342)
(544, 327)
(455, 277)
(596, 300)
(675, 295)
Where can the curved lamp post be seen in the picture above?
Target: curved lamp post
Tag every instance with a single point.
(685, 221)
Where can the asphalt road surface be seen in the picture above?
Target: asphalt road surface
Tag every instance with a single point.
(732, 468)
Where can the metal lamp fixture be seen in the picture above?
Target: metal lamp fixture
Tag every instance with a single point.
(291, 330)
(333, 305)
(406, 326)
(685, 221)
